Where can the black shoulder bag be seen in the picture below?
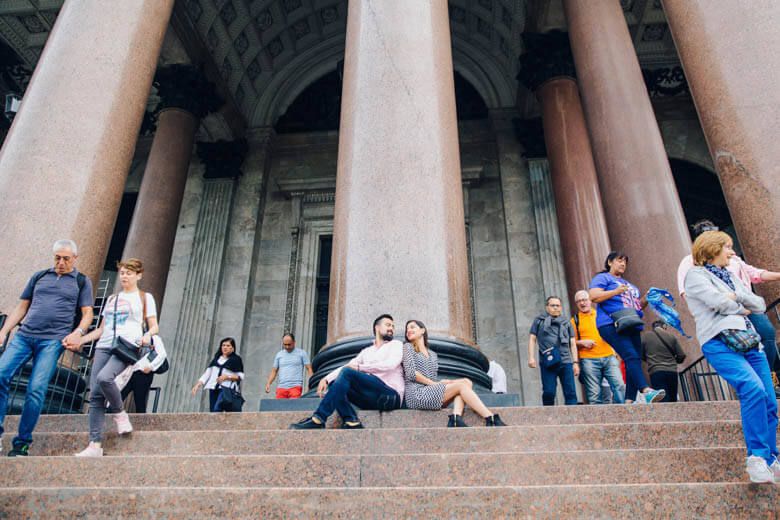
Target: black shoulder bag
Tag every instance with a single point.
(229, 398)
(126, 351)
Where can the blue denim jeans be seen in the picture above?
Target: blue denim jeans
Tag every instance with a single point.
(628, 347)
(44, 353)
(748, 373)
(593, 370)
(366, 391)
(565, 373)
(768, 335)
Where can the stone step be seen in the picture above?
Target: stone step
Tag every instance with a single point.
(638, 502)
(408, 440)
(583, 414)
(406, 470)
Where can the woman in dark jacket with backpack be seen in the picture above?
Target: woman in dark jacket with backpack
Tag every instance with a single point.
(226, 371)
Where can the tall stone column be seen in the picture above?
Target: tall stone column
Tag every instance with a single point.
(399, 243)
(729, 53)
(644, 216)
(65, 161)
(548, 71)
(186, 97)
(195, 339)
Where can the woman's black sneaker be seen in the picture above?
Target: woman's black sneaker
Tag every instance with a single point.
(494, 420)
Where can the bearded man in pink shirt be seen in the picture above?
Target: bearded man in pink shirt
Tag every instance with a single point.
(373, 380)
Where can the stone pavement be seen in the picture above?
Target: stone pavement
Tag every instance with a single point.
(683, 460)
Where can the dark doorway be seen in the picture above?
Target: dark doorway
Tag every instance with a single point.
(121, 228)
(701, 195)
(323, 293)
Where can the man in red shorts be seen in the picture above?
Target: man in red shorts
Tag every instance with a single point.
(289, 365)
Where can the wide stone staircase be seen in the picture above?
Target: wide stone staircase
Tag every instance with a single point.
(681, 460)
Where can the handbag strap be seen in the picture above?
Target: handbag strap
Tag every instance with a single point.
(237, 383)
(669, 348)
(116, 301)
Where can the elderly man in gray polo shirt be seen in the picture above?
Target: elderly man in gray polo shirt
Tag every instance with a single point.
(48, 306)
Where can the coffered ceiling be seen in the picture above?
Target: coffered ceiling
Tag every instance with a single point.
(266, 52)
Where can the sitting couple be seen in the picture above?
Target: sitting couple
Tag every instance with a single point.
(381, 375)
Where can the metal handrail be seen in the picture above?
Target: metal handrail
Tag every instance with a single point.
(699, 381)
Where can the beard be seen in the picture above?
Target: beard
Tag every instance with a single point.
(388, 336)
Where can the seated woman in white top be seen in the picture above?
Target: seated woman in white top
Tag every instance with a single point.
(225, 370)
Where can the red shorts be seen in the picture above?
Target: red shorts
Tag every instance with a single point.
(289, 393)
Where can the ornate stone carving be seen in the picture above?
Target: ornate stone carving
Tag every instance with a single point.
(666, 82)
(546, 56)
(530, 133)
(222, 159)
(185, 87)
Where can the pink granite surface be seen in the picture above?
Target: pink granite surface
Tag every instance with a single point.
(404, 440)
(637, 502)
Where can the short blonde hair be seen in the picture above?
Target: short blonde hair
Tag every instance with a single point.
(708, 245)
(131, 264)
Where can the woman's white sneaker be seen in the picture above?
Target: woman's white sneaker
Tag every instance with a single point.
(93, 450)
(123, 425)
(759, 470)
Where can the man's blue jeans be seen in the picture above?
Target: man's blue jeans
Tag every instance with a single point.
(44, 353)
(366, 391)
(596, 369)
(748, 373)
(565, 373)
(768, 335)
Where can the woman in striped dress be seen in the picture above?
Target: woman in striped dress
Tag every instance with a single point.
(424, 392)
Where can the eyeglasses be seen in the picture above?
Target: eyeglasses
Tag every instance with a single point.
(58, 258)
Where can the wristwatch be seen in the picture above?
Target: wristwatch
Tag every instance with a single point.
(81, 331)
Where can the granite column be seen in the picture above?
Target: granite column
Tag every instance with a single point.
(399, 242)
(643, 211)
(547, 69)
(65, 161)
(734, 75)
(186, 97)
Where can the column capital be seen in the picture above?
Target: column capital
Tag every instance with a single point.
(185, 87)
(531, 135)
(547, 55)
(222, 159)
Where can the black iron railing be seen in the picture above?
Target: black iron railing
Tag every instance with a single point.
(67, 391)
(700, 382)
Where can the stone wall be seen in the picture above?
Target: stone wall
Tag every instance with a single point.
(281, 206)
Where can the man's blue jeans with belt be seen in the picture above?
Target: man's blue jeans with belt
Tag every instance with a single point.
(366, 391)
(44, 353)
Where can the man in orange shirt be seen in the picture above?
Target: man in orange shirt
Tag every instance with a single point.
(597, 359)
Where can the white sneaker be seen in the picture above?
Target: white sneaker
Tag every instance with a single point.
(123, 425)
(775, 469)
(93, 450)
(759, 470)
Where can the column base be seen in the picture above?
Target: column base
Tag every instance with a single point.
(456, 360)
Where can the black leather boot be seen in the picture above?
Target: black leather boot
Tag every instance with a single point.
(456, 421)
(494, 420)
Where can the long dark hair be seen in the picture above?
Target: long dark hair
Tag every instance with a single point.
(611, 257)
(232, 342)
(425, 334)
